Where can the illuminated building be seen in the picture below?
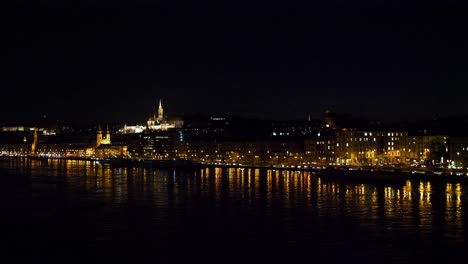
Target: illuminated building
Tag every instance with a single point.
(45, 131)
(260, 152)
(111, 151)
(100, 139)
(152, 144)
(370, 147)
(104, 147)
(132, 129)
(458, 152)
(154, 123)
(320, 150)
(15, 129)
(427, 149)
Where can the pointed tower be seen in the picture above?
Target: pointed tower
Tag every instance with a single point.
(34, 143)
(107, 139)
(99, 136)
(160, 111)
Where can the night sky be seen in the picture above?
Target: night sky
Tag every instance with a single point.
(112, 61)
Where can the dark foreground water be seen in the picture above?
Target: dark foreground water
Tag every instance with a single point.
(82, 212)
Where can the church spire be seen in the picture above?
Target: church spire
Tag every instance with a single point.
(99, 136)
(160, 111)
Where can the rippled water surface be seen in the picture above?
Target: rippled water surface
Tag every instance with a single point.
(80, 211)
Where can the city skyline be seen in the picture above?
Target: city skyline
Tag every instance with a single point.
(234, 131)
(44, 118)
(386, 61)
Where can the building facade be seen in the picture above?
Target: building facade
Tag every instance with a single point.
(370, 147)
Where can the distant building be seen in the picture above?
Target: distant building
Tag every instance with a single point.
(321, 149)
(152, 144)
(100, 139)
(458, 152)
(104, 147)
(423, 149)
(370, 147)
(45, 131)
(154, 123)
(16, 129)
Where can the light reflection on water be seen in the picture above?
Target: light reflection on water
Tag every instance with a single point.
(248, 205)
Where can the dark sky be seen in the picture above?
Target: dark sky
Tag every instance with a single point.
(83, 61)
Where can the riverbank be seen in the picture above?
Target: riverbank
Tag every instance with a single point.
(118, 162)
(351, 173)
(384, 174)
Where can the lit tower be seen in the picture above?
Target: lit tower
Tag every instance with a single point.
(34, 143)
(107, 139)
(160, 111)
(99, 136)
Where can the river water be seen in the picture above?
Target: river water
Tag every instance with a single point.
(62, 211)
